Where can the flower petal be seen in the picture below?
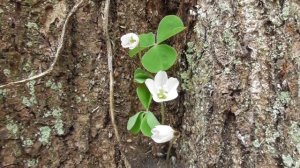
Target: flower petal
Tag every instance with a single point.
(126, 40)
(171, 84)
(172, 95)
(162, 133)
(160, 79)
(156, 99)
(151, 86)
(136, 39)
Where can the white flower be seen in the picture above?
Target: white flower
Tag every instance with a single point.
(162, 88)
(129, 40)
(162, 133)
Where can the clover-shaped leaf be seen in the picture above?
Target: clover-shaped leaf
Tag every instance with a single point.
(159, 58)
(148, 123)
(169, 26)
(144, 96)
(141, 75)
(133, 120)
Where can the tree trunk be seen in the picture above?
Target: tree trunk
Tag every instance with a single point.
(242, 86)
(239, 98)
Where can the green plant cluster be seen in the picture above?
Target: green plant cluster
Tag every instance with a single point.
(156, 57)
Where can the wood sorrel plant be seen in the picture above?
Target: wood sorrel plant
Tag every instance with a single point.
(157, 58)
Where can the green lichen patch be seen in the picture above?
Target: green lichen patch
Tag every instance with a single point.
(26, 142)
(56, 113)
(12, 126)
(256, 143)
(285, 12)
(30, 85)
(30, 101)
(32, 162)
(53, 85)
(6, 72)
(32, 25)
(3, 93)
(29, 44)
(288, 160)
(59, 127)
(229, 39)
(271, 150)
(285, 97)
(78, 99)
(185, 76)
(271, 136)
(26, 67)
(294, 133)
(45, 133)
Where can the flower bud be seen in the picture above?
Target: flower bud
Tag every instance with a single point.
(162, 133)
(130, 40)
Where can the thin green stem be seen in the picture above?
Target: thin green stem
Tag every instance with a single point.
(140, 55)
(169, 150)
(170, 146)
(162, 113)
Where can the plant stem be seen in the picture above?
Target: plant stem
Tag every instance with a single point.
(162, 113)
(169, 150)
(170, 146)
(140, 55)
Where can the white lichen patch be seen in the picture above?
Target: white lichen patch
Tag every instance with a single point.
(59, 127)
(53, 85)
(26, 142)
(45, 133)
(294, 133)
(32, 162)
(3, 92)
(32, 25)
(229, 39)
(256, 143)
(285, 97)
(286, 11)
(6, 72)
(30, 101)
(56, 113)
(12, 126)
(287, 160)
(26, 67)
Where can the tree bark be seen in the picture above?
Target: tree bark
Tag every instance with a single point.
(242, 86)
(239, 66)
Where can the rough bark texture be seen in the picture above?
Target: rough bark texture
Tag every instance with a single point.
(242, 86)
(239, 65)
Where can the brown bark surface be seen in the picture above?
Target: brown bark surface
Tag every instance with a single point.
(242, 86)
(239, 67)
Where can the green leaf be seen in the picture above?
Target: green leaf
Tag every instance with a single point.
(144, 96)
(159, 57)
(146, 40)
(132, 120)
(141, 75)
(151, 120)
(169, 26)
(145, 128)
(137, 126)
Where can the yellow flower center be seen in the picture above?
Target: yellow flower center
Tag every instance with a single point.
(132, 40)
(162, 94)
